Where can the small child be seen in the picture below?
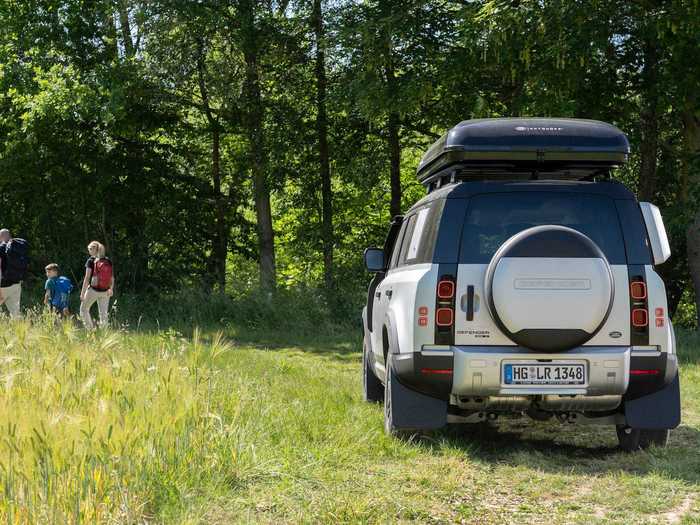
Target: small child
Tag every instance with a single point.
(58, 290)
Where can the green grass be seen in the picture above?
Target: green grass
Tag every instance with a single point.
(134, 427)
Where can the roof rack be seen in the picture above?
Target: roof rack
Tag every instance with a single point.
(524, 149)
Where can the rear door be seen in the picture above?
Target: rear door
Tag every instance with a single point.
(492, 218)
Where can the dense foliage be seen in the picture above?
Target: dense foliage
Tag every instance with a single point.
(232, 144)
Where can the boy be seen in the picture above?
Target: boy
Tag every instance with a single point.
(58, 290)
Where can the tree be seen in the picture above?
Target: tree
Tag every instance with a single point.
(322, 132)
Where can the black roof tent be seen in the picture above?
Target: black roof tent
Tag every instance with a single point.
(524, 148)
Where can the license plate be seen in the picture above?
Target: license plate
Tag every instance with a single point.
(544, 374)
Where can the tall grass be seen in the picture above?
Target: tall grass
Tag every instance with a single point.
(144, 426)
(107, 427)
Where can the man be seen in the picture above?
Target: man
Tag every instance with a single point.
(13, 266)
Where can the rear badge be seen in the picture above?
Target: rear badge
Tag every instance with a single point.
(615, 335)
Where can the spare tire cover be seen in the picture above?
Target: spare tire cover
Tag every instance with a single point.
(549, 288)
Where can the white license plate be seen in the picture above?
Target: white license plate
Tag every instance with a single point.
(544, 374)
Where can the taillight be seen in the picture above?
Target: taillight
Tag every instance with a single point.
(640, 318)
(446, 289)
(444, 317)
(639, 307)
(638, 290)
(660, 317)
(445, 307)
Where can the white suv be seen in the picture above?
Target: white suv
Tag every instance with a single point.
(523, 283)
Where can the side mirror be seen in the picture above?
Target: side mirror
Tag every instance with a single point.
(375, 261)
(660, 248)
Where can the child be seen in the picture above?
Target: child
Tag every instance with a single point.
(58, 290)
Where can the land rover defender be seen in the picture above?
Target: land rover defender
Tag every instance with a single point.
(523, 283)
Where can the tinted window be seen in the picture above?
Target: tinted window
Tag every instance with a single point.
(635, 232)
(430, 232)
(448, 234)
(494, 218)
(397, 245)
(406, 240)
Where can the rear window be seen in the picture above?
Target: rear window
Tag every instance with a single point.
(494, 218)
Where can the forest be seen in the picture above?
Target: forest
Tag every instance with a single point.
(246, 146)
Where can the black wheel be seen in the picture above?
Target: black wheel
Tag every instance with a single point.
(372, 388)
(389, 423)
(632, 439)
(656, 438)
(628, 438)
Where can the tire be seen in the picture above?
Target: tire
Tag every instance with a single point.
(372, 388)
(633, 439)
(629, 438)
(389, 424)
(656, 438)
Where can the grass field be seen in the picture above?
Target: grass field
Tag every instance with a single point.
(155, 427)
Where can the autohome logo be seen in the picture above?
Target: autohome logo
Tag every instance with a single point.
(537, 128)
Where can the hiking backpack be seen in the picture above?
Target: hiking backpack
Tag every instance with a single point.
(64, 287)
(15, 258)
(101, 274)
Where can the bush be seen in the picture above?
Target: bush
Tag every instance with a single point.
(297, 313)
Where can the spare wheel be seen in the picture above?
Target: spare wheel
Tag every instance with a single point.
(549, 288)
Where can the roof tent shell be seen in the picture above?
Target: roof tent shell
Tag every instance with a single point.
(564, 149)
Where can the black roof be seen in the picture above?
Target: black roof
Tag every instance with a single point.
(488, 148)
(463, 190)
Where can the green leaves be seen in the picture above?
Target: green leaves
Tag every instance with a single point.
(110, 127)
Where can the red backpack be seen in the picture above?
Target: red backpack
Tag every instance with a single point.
(101, 274)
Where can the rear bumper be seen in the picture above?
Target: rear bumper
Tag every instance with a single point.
(476, 371)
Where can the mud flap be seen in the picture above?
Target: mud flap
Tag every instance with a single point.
(660, 410)
(412, 410)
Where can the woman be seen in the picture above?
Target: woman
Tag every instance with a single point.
(98, 285)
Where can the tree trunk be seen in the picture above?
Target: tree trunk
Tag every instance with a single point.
(395, 163)
(254, 122)
(323, 155)
(110, 38)
(126, 28)
(693, 249)
(220, 250)
(691, 123)
(649, 147)
(138, 250)
(393, 129)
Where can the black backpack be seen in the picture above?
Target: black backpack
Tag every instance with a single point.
(15, 260)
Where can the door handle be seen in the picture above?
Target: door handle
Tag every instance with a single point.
(388, 293)
(378, 295)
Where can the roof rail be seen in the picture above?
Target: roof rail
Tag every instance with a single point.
(461, 173)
